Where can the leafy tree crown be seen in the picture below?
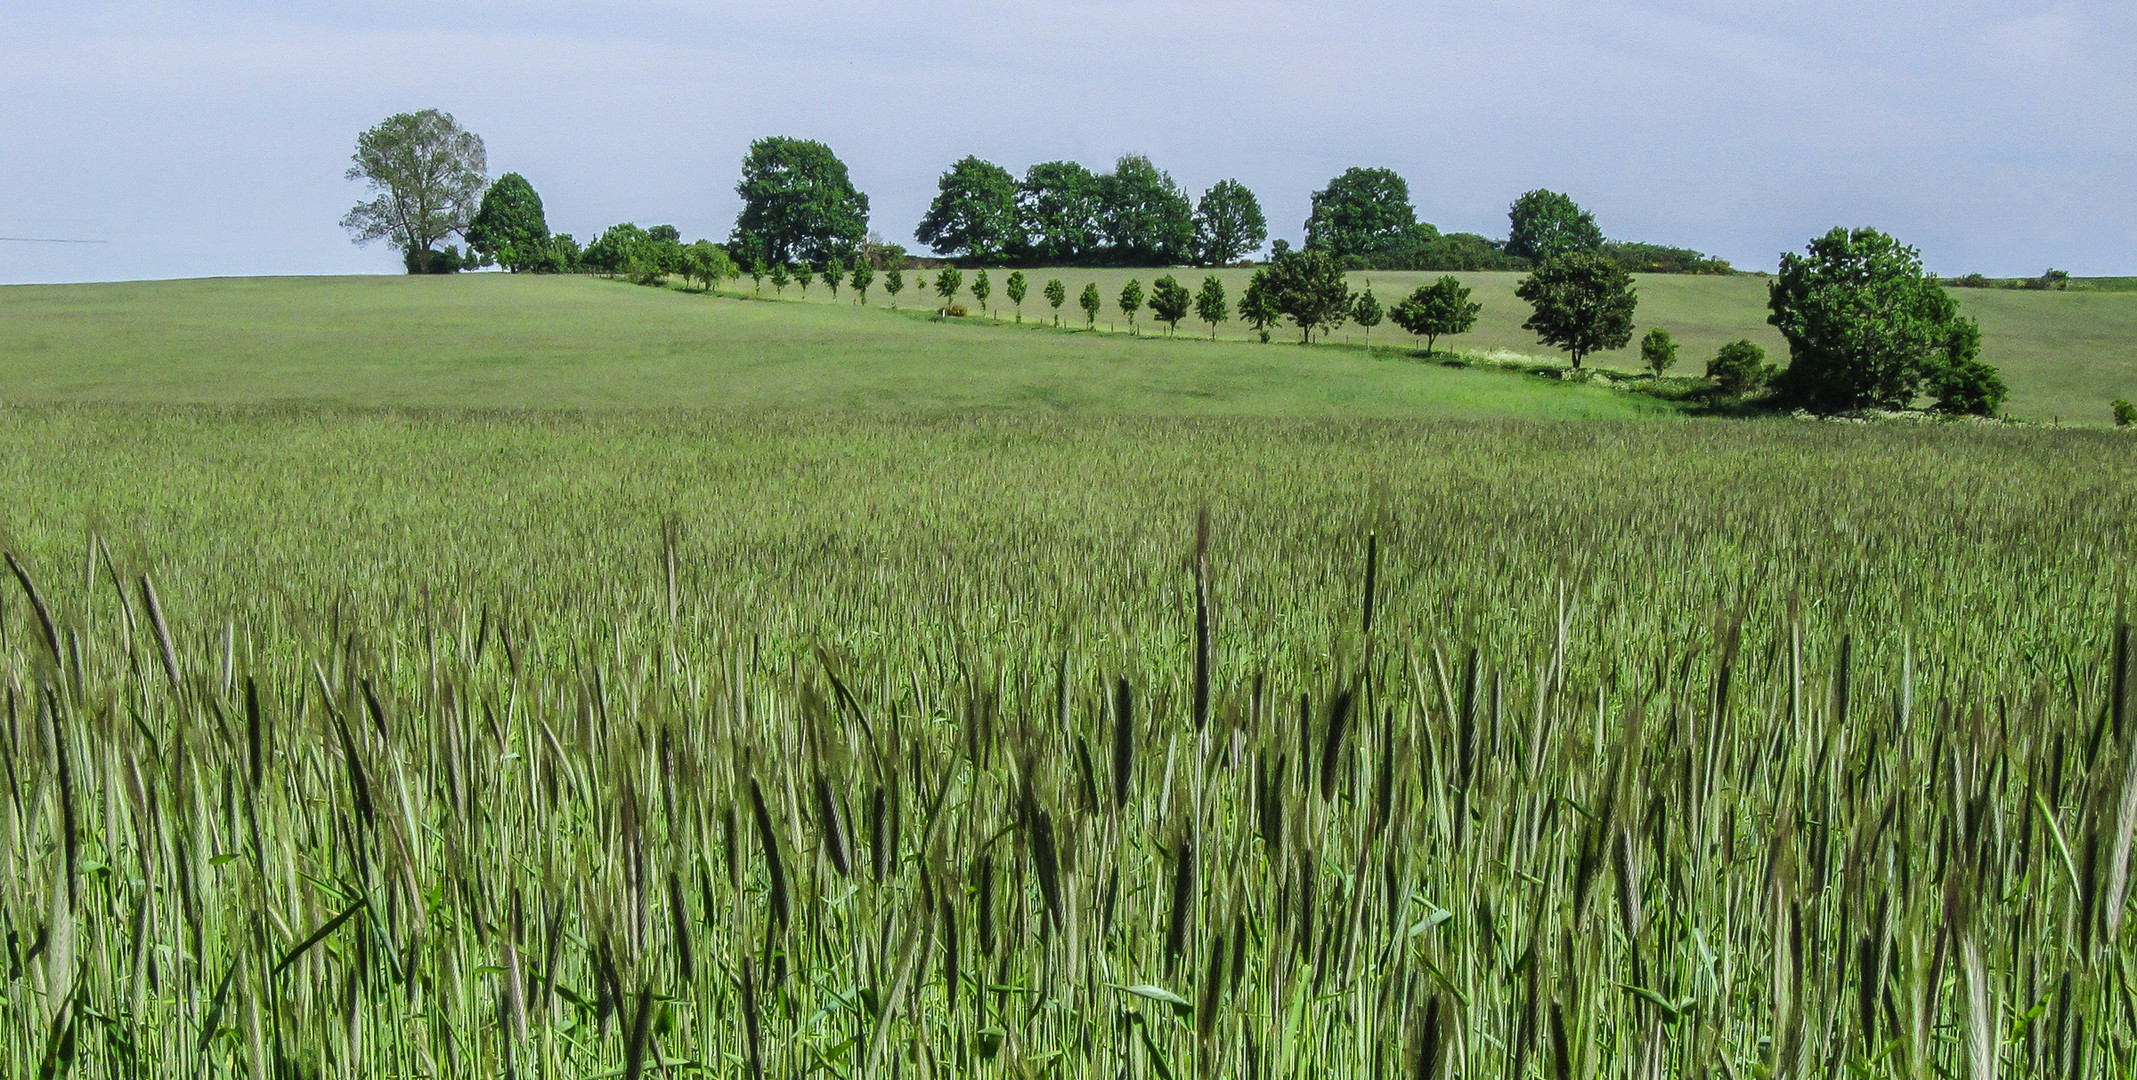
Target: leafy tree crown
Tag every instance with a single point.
(1228, 223)
(426, 172)
(1359, 212)
(1583, 303)
(798, 203)
(974, 214)
(1547, 224)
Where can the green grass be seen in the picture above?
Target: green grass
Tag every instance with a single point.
(439, 750)
(575, 342)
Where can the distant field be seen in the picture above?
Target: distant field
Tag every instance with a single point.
(494, 341)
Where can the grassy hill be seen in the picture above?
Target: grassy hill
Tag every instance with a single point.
(524, 342)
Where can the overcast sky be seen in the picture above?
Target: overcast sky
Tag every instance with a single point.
(211, 137)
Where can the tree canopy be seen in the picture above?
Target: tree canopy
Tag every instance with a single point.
(1308, 288)
(974, 215)
(1146, 218)
(1170, 302)
(509, 228)
(1442, 307)
(1583, 304)
(427, 173)
(1868, 328)
(1228, 223)
(1547, 224)
(1057, 207)
(798, 204)
(1360, 212)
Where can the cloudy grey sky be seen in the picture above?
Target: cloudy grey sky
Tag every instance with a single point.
(210, 137)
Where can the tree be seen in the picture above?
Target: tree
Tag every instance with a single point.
(1016, 290)
(1228, 223)
(804, 276)
(797, 202)
(756, 275)
(1583, 304)
(618, 249)
(1257, 305)
(427, 173)
(1131, 302)
(1547, 224)
(1367, 313)
(1739, 368)
(779, 278)
(974, 215)
(1210, 306)
(834, 275)
(2125, 412)
(1056, 295)
(1658, 351)
(1090, 302)
(1146, 218)
(947, 283)
(1058, 209)
(708, 263)
(864, 275)
(1959, 381)
(509, 229)
(1308, 288)
(982, 289)
(1170, 301)
(1360, 212)
(1865, 325)
(1442, 307)
(894, 283)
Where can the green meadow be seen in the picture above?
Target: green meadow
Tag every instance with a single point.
(555, 677)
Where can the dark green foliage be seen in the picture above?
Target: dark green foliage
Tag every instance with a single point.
(1017, 288)
(1426, 248)
(1170, 302)
(1868, 328)
(1056, 295)
(804, 276)
(780, 277)
(1308, 288)
(1959, 381)
(864, 275)
(1641, 258)
(1547, 224)
(1210, 306)
(665, 234)
(894, 283)
(1228, 223)
(510, 229)
(561, 255)
(1360, 213)
(1740, 368)
(947, 281)
(1442, 307)
(1658, 351)
(982, 289)
(1257, 305)
(427, 172)
(708, 264)
(1365, 310)
(797, 202)
(1583, 304)
(1145, 217)
(1131, 301)
(1058, 207)
(834, 275)
(974, 215)
(447, 260)
(1090, 302)
(2125, 413)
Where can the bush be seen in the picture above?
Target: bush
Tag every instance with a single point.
(956, 311)
(1967, 387)
(1740, 368)
(2125, 413)
(1659, 351)
(1641, 258)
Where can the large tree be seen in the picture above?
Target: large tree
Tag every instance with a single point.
(1146, 218)
(1360, 212)
(1228, 223)
(1057, 205)
(1307, 287)
(510, 228)
(798, 204)
(1583, 303)
(1868, 328)
(428, 172)
(1547, 224)
(1443, 307)
(974, 215)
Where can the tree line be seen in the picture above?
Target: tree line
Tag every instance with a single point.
(1867, 327)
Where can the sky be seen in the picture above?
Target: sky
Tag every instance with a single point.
(211, 138)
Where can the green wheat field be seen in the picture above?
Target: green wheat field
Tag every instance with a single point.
(558, 678)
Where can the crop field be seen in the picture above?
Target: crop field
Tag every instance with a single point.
(492, 340)
(458, 743)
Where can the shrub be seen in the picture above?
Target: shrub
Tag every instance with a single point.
(1740, 368)
(1658, 351)
(2125, 413)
